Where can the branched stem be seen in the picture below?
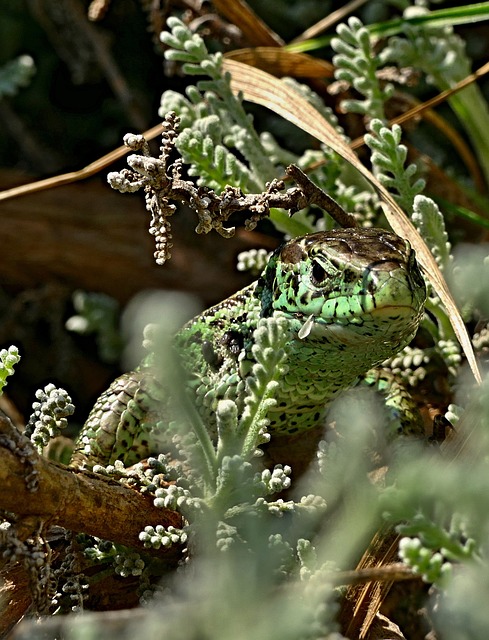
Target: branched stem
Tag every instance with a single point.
(163, 186)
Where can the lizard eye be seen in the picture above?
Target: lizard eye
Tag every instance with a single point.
(318, 274)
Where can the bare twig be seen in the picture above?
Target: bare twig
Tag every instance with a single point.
(315, 195)
(163, 186)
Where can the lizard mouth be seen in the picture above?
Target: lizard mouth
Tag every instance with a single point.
(388, 319)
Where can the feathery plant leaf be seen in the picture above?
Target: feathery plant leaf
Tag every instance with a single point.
(269, 342)
(190, 109)
(16, 74)
(189, 48)
(8, 359)
(440, 54)
(388, 158)
(357, 63)
(213, 164)
(430, 222)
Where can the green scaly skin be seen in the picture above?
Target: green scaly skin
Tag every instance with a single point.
(352, 298)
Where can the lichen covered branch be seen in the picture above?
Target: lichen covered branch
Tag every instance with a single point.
(163, 185)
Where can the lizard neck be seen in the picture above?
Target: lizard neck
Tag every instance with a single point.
(319, 367)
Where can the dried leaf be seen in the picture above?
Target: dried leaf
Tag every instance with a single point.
(239, 13)
(362, 602)
(261, 88)
(280, 62)
(73, 176)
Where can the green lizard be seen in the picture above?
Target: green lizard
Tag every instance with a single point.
(352, 298)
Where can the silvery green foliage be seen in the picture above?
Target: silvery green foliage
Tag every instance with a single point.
(460, 611)
(15, 75)
(129, 564)
(450, 351)
(277, 154)
(480, 339)
(159, 536)
(441, 510)
(214, 125)
(328, 171)
(98, 313)
(147, 477)
(253, 260)
(435, 548)
(222, 485)
(124, 561)
(116, 470)
(358, 198)
(230, 126)
(238, 481)
(388, 160)
(410, 364)
(274, 481)
(356, 63)
(438, 51)
(49, 416)
(429, 221)
(8, 359)
(430, 565)
(446, 345)
(97, 550)
(269, 342)
(180, 499)
(469, 279)
(212, 162)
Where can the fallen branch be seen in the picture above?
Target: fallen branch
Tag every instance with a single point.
(76, 500)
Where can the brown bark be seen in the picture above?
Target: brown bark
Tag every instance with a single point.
(76, 500)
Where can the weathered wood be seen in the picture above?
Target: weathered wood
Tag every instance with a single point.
(75, 500)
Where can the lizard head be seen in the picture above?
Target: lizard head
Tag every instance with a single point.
(358, 284)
